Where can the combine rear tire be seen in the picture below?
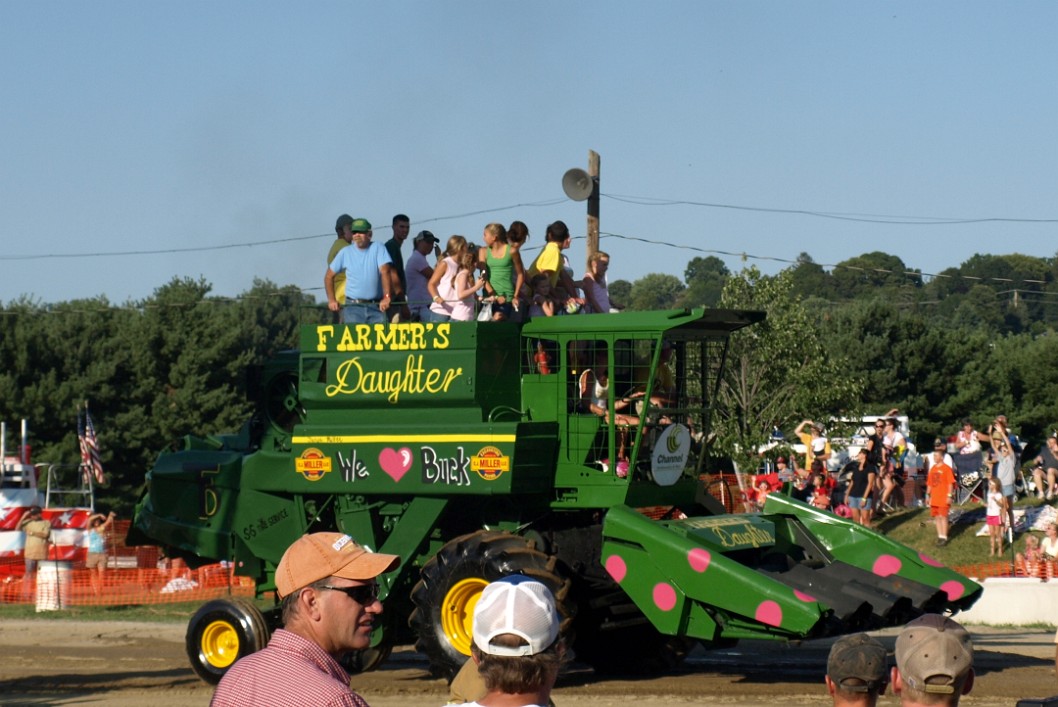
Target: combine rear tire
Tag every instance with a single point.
(452, 581)
(221, 632)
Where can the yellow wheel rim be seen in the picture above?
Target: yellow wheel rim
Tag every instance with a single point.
(457, 614)
(220, 644)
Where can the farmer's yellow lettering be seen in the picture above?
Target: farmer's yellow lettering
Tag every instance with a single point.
(408, 336)
(352, 379)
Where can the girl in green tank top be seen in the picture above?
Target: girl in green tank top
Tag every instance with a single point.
(505, 271)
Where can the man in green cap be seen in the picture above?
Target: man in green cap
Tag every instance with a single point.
(369, 281)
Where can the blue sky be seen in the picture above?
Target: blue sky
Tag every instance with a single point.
(150, 126)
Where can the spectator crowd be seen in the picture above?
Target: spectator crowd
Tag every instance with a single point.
(970, 466)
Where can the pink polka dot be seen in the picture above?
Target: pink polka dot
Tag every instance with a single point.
(802, 596)
(886, 565)
(617, 568)
(929, 560)
(954, 589)
(769, 613)
(664, 596)
(699, 559)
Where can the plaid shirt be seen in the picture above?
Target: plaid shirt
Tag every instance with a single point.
(291, 671)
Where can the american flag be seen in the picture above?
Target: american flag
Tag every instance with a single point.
(86, 436)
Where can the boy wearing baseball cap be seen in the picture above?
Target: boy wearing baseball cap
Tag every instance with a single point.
(934, 662)
(516, 644)
(327, 584)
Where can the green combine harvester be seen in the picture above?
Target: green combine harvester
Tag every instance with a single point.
(476, 450)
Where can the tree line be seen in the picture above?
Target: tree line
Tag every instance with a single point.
(973, 341)
(151, 371)
(861, 338)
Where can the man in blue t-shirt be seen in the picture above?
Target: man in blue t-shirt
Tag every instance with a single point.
(368, 284)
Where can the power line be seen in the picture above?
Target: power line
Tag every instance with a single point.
(637, 200)
(861, 218)
(257, 243)
(748, 256)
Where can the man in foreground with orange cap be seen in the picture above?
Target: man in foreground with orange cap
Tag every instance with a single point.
(327, 584)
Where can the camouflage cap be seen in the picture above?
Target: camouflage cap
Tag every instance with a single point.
(857, 663)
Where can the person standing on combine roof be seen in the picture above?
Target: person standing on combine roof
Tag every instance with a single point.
(505, 272)
(368, 285)
(399, 282)
(934, 662)
(38, 541)
(550, 262)
(329, 591)
(517, 235)
(596, 290)
(856, 671)
(345, 237)
(417, 274)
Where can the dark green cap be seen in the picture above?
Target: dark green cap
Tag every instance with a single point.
(360, 225)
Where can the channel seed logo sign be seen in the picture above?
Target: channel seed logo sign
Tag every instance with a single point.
(670, 455)
(672, 443)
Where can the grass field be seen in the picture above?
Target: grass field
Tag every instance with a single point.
(915, 528)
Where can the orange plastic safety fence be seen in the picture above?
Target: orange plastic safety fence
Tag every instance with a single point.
(132, 575)
(1042, 571)
(58, 585)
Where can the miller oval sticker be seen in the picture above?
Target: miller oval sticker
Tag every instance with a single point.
(312, 464)
(489, 463)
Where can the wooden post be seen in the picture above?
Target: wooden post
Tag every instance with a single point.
(593, 203)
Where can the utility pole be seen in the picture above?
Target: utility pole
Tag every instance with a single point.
(580, 185)
(593, 203)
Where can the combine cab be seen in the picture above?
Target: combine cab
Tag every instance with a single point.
(567, 448)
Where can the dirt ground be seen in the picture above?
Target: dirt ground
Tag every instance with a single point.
(50, 662)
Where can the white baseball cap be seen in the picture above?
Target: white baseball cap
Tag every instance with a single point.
(520, 606)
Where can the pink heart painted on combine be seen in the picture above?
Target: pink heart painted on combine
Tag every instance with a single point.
(395, 462)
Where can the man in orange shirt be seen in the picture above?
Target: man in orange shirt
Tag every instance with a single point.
(940, 481)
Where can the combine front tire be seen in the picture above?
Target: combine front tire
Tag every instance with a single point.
(221, 632)
(452, 582)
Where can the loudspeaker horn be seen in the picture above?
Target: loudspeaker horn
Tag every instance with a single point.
(577, 184)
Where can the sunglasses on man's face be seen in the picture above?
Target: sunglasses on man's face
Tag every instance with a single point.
(364, 594)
